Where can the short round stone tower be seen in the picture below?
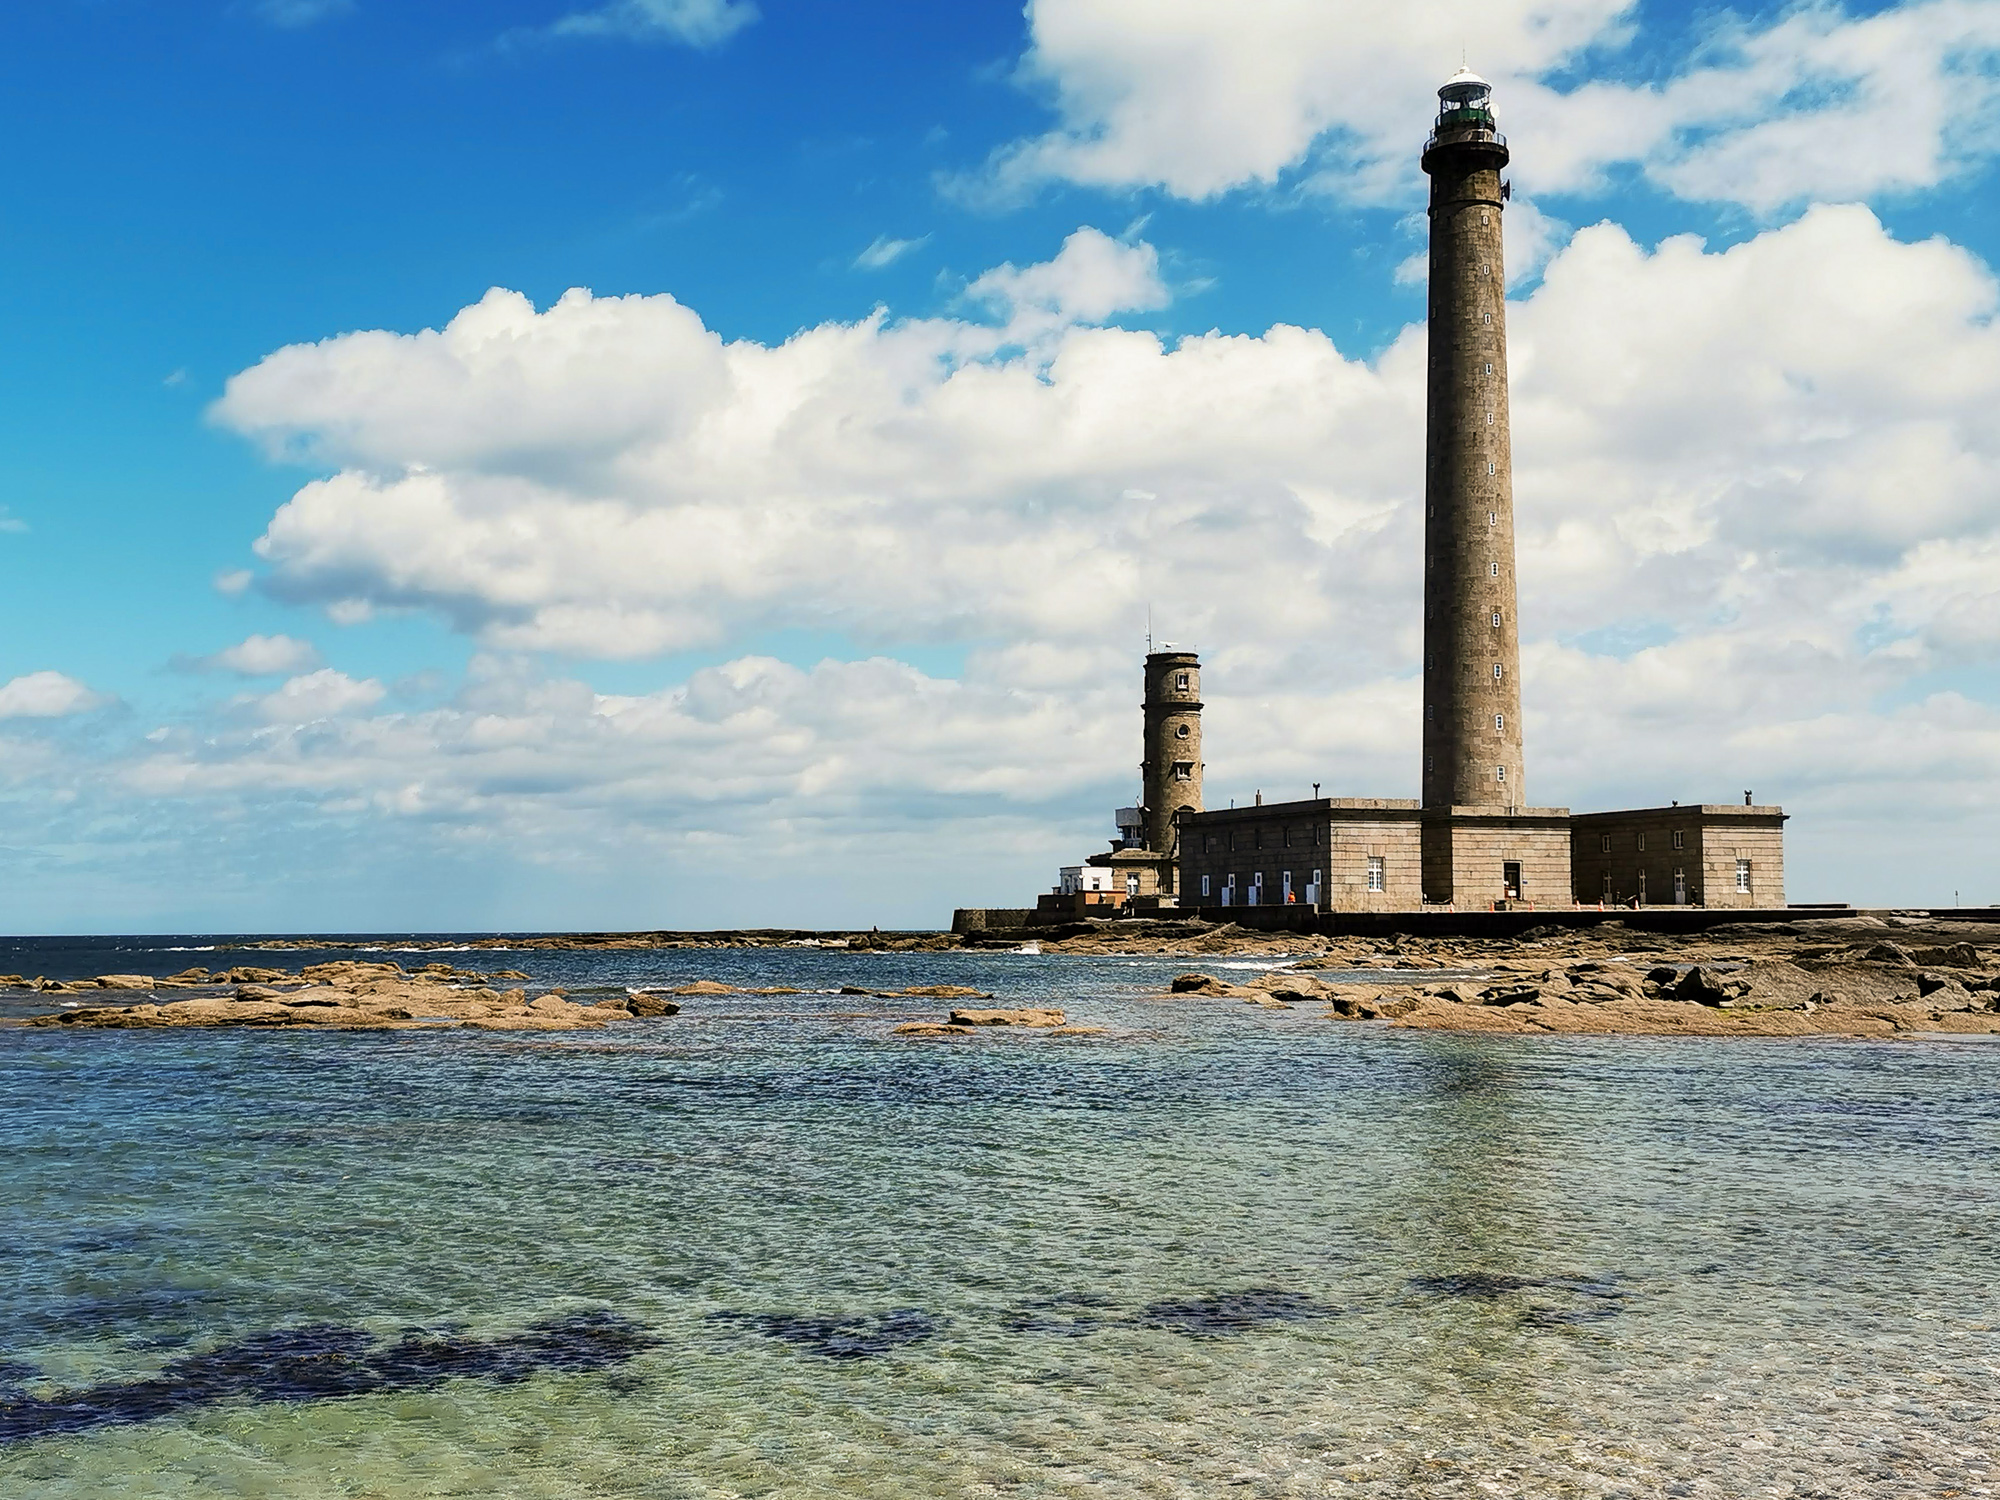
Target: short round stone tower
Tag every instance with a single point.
(1170, 775)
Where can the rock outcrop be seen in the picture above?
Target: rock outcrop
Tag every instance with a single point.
(353, 995)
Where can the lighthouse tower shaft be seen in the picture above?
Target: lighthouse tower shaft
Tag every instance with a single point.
(1472, 679)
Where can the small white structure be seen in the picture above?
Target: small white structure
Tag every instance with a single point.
(1076, 878)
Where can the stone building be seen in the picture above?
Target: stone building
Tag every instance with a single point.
(1471, 841)
(1704, 854)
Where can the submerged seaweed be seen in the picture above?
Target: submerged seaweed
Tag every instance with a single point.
(1069, 1315)
(858, 1337)
(324, 1362)
(1607, 1297)
(1482, 1286)
(1223, 1314)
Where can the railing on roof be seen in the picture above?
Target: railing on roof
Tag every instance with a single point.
(1483, 135)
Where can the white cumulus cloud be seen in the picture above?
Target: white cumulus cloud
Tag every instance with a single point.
(47, 695)
(1758, 490)
(256, 656)
(324, 694)
(1198, 99)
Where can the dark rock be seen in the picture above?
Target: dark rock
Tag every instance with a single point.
(1930, 984)
(1663, 974)
(646, 1004)
(1701, 986)
(1952, 956)
(1890, 953)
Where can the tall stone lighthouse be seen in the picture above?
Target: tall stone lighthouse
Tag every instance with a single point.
(1473, 768)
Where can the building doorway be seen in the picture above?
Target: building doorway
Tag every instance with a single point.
(1680, 888)
(1510, 879)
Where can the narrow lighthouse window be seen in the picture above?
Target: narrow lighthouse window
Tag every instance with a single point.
(1490, 468)
(1492, 518)
(1488, 317)
(1496, 619)
(1489, 369)
(1496, 570)
(1497, 670)
(1500, 723)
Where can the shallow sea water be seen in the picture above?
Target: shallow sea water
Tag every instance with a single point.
(764, 1248)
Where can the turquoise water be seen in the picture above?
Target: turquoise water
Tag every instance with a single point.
(765, 1248)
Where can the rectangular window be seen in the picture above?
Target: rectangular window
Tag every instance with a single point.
(1680, 839)
(1183, 770)
(1499, 773)
(1743, 875)
(1181, 682)
(1642, 887)
(1285, 885)
(1642, 843)
(1497, 671)
(1496, 570)
(1376, 874)
(1204, 885)
(1499, 723)
(1604, 846)
(1496, 619)
(1607, 885)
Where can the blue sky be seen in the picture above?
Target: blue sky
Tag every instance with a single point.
(195, 186)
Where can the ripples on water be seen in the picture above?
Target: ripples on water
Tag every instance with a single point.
(758, 1250)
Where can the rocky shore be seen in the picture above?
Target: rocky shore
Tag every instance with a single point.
(1850, 976)
(1845, 977)
(354, 996)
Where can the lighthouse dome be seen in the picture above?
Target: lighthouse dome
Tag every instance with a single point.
(1465, 89)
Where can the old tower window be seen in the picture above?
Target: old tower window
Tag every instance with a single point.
(1499, 773)
(1680, 839)
(1376, 873)
(1496, 619)
(1183, 770)
(1180, 731)
(1496, 569)
(1642, 843)
(1743, 875)
(1500, 723)
(1498, 671)
(1604, 846)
